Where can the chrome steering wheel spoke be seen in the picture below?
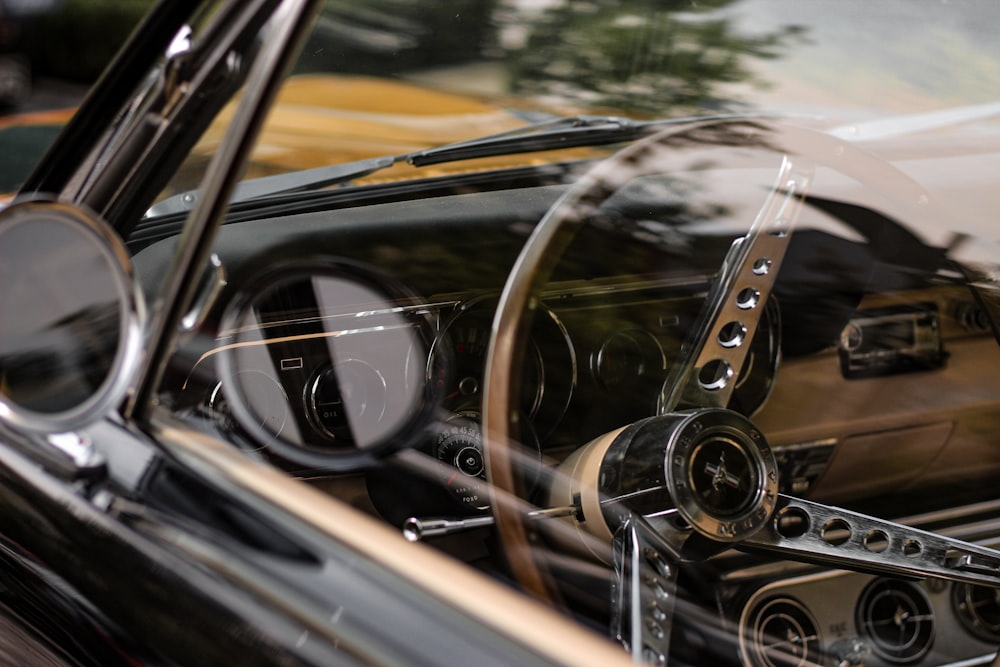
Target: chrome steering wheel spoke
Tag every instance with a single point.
(717, 350)
(644, 591)
(830, 536)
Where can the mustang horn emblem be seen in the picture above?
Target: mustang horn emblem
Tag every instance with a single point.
(720, 475)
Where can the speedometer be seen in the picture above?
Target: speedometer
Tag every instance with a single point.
(460, 446)
(458, 359)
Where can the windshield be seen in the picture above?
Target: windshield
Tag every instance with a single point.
(396, 78)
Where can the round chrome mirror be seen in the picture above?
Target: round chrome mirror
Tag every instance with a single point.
(323, 363)
(70, 318)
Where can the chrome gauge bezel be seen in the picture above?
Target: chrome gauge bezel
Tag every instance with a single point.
(910, 606)
(314, 387)
(548, 403)
(968, 606)
(753, 644)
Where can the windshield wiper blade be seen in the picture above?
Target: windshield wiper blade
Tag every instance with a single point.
(559, 133)
(552, 134)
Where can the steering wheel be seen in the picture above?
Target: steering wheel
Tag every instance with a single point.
(698, 476)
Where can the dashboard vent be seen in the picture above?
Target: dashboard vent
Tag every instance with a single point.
(897, 617)
(978, 608)
(780, 632)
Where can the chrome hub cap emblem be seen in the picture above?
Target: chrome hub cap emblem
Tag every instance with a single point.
(723, 487)
(721, 474)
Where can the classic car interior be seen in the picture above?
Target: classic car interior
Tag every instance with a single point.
(716, 384)
(347, 343)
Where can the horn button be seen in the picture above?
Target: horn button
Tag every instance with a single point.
(720, 473)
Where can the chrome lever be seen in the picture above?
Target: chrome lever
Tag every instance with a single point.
(213, 283)
(416, 529)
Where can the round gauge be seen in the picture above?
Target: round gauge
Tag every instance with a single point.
(626, 357)
(459, 445)
(780, 632)
(898, 619)
(464, 346)
(268, 400)
(458, 359)
(978, 608)
(345, 398)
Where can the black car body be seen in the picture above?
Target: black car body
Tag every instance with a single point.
(667, 372)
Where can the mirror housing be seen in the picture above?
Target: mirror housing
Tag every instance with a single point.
(71, 318)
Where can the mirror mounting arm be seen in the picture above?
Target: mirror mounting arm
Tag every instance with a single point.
(290, 21)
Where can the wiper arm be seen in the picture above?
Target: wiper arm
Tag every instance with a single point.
(552, 134)
(266, 186)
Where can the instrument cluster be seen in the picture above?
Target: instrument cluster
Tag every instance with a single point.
(323, 370)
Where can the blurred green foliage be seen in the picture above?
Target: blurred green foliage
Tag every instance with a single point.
(644, 57)
(654, 57)
(76, 41)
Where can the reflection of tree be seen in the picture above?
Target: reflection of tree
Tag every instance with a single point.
(646, 56)
(384, 37)
(655, 57)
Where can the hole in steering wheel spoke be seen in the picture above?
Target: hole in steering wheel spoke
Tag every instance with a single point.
(792, 523)
(912, 548)
(876, 541)
(732, 334)
(715, 375)
(761, 266)
(836, 532)
(747, 298)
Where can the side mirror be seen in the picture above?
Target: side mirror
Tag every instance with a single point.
(71, 318)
